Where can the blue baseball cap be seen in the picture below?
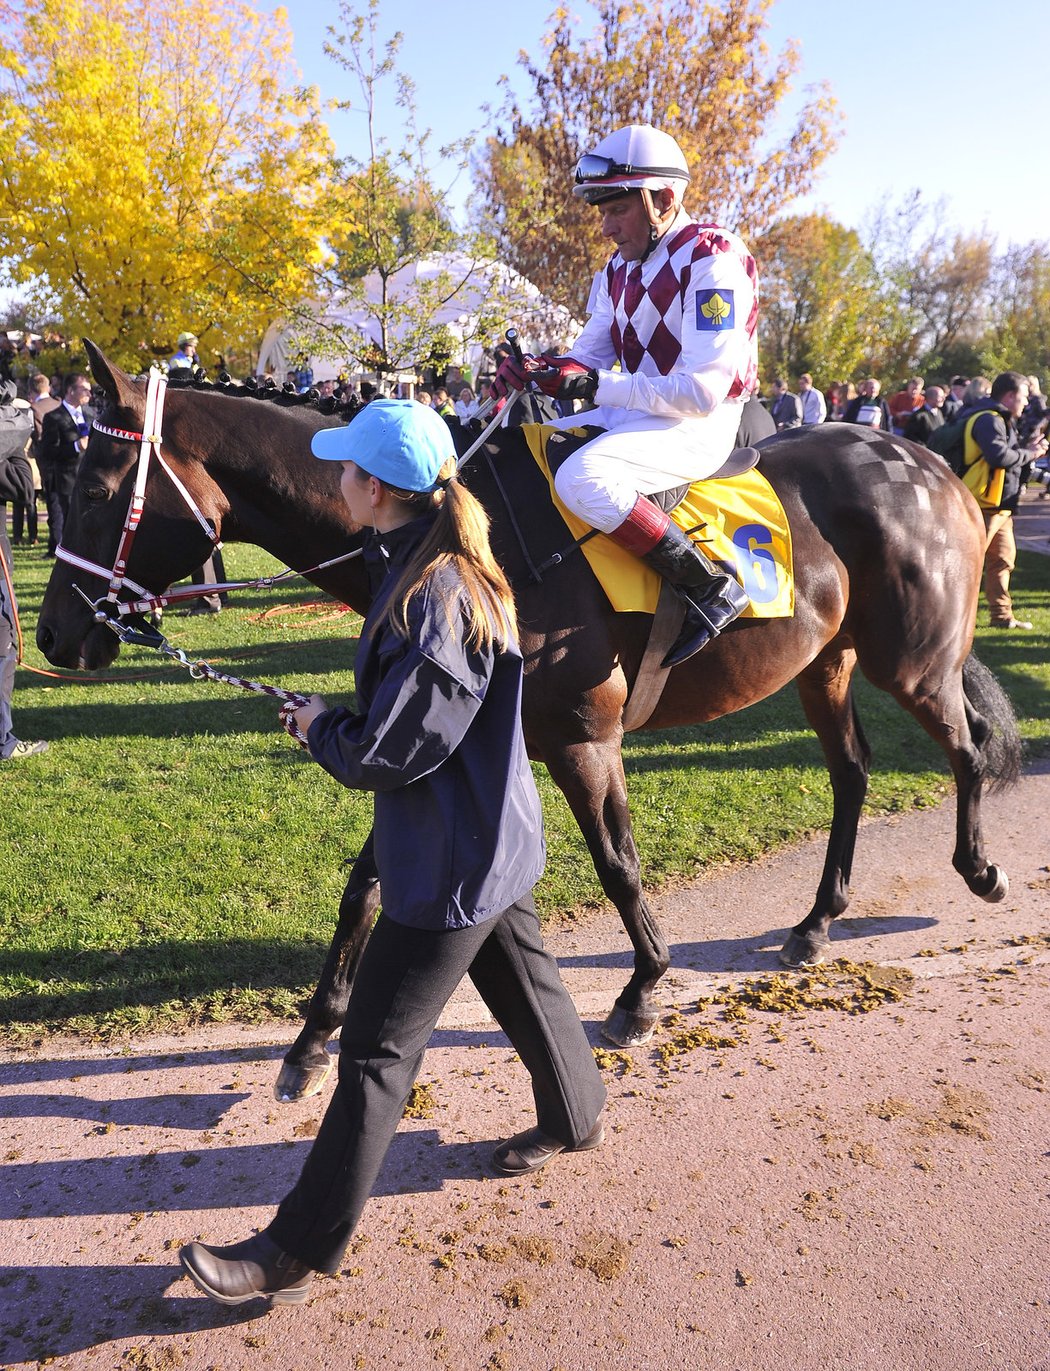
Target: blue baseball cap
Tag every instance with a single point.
(401, 442)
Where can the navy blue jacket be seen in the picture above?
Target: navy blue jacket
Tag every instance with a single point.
(458, 826)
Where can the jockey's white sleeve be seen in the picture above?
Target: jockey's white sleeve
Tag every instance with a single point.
(594, 347)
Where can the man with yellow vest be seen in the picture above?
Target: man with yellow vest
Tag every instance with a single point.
(992, 434)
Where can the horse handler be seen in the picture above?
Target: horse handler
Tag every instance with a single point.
(458, 842)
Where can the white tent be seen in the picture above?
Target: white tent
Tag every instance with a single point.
(487, 287)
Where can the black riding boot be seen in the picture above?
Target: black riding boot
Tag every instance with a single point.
(712, 597)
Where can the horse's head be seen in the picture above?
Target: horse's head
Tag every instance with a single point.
(170, 542)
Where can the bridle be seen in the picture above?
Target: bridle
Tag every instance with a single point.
(149, 441)
(111, 606)
(110, 609)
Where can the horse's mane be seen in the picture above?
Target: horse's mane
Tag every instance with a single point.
(286, 396)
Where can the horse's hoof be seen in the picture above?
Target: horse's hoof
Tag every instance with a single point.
(993, 885)
(300, 1082)
(799, 951)
(629, 1028)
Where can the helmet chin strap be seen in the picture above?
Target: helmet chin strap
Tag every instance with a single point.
(655, 232)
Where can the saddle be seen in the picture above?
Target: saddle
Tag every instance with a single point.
(741, 459)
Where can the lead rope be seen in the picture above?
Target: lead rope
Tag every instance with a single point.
(201, 670)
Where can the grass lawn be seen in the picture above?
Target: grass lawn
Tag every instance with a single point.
(174, 858)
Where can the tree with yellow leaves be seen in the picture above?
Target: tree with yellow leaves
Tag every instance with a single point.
(159, 170)
(823, 300)
(701, 72)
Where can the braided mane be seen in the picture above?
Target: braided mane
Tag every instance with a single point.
(251, 389)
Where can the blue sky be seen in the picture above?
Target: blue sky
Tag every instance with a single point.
(933, 95)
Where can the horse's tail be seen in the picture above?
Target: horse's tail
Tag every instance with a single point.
(993, 725)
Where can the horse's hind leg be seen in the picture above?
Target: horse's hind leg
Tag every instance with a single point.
(590, 775)
(827, 699)
(307, 1063)
(968, 714)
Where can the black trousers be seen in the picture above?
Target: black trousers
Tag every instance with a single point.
(24, 516)
(405, 979)
(59, 480)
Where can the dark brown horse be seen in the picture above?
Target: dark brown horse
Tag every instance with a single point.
(888, 551)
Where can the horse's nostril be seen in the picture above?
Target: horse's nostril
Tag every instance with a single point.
(45, 639)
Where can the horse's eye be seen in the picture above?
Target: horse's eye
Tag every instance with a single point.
(96, 493)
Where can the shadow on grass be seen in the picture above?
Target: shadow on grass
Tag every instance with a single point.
(230, 977)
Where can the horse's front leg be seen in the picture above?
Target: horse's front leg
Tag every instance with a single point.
(590, 775)
(307, 1063)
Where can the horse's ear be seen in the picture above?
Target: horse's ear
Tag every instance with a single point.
(118, 385)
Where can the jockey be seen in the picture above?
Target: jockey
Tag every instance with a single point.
(676, 308)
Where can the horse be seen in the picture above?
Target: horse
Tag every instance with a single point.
(888, 550)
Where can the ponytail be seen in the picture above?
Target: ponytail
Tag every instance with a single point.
(460, 538)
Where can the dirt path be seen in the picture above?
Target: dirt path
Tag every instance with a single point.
(808, 1190)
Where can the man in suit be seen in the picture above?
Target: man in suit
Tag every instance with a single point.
(64, 435)
(785, 407)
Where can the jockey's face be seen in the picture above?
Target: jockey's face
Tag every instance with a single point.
(626, 222)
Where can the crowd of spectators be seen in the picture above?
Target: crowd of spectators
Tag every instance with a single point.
(451, 392)
(967, 419)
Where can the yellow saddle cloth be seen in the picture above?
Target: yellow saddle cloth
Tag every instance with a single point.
(740, 522)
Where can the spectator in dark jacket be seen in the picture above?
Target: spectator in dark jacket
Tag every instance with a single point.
(869, 409)
(16, 483)
(995, 433)
(756, 423)
(956, 397)
(922, 423)
(785, 408)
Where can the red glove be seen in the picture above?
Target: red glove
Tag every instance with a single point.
(563, 378)
(510, 376)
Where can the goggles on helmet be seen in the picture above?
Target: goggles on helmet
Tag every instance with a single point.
(592, 168)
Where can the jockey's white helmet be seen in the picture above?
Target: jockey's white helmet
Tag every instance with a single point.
(631, 158)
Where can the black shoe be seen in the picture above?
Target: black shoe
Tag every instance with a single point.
(253, 1270)
(712, 598)
(705, 618)
(532, 1149)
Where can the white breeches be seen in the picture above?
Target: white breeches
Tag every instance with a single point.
(640, 454)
